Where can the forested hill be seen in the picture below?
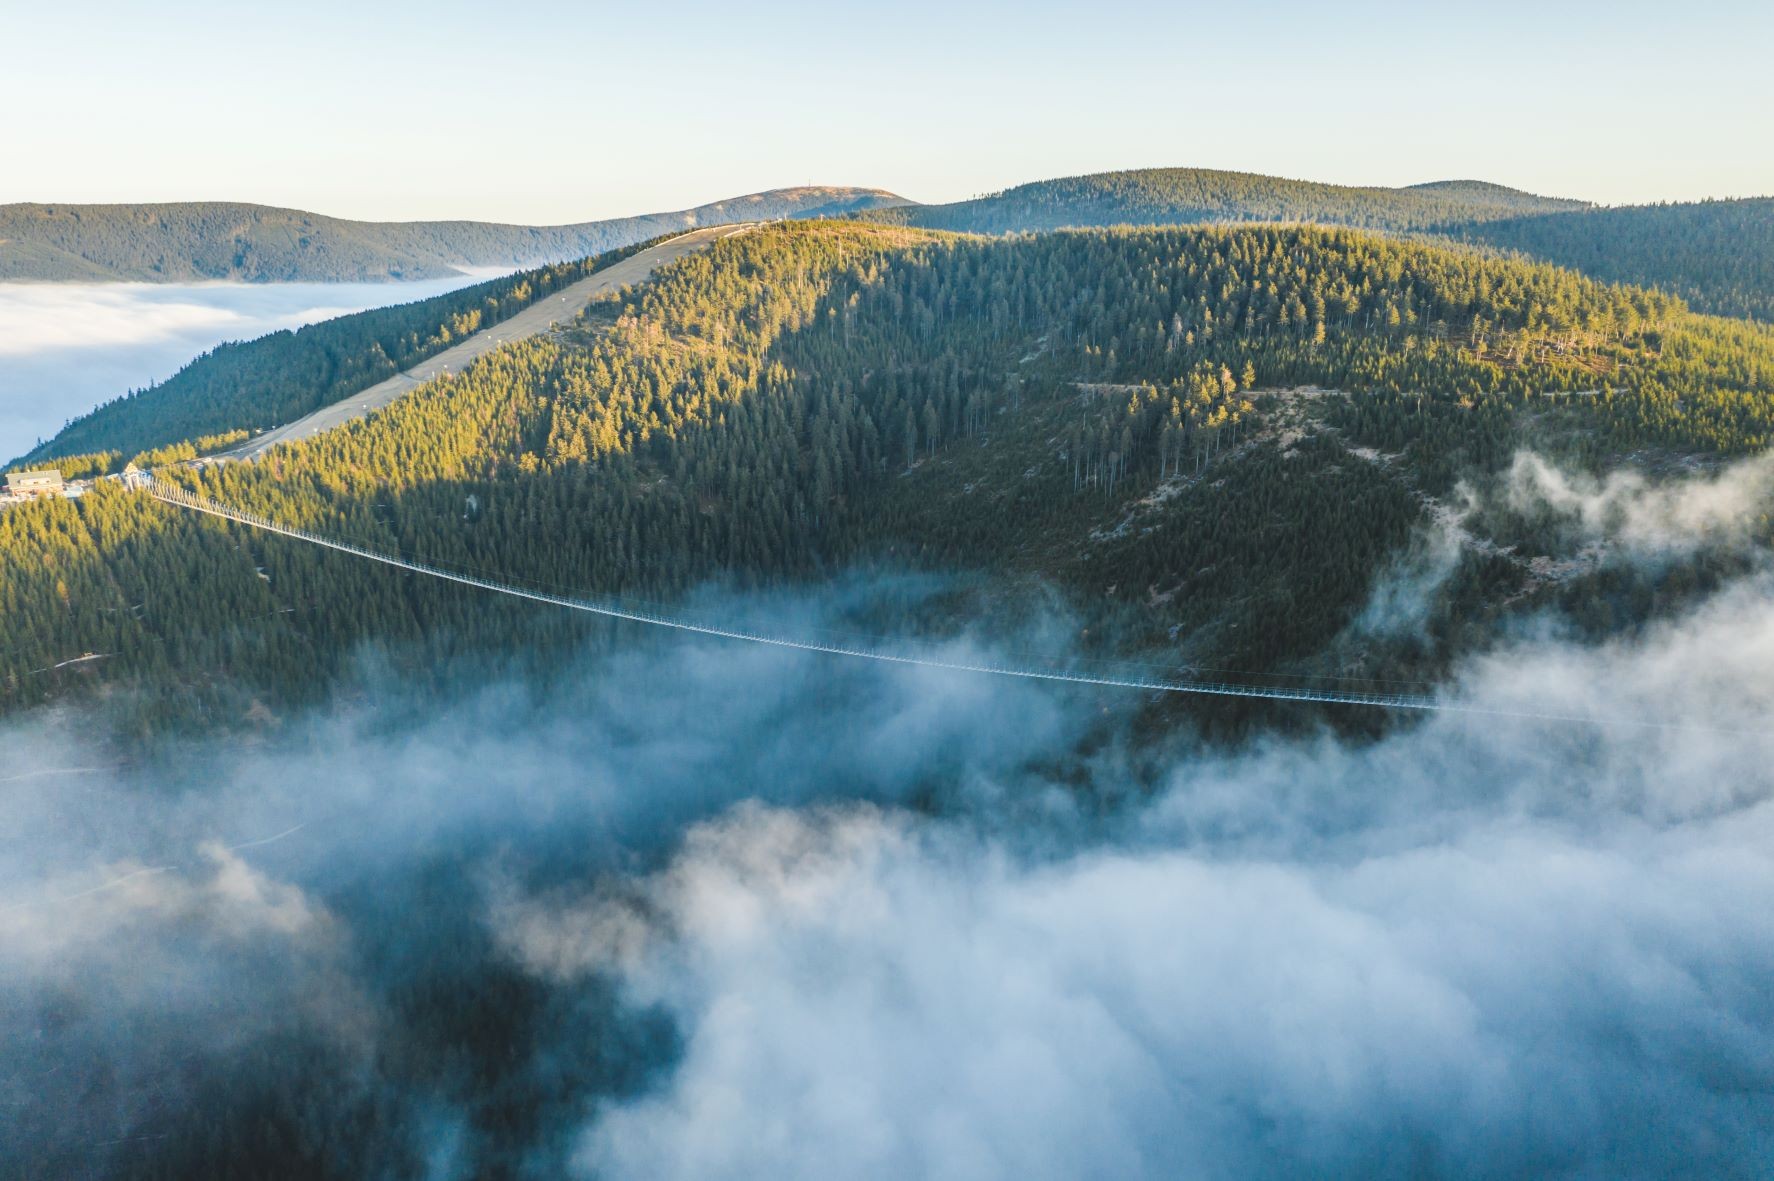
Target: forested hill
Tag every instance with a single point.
(1208, 445)
(1185, 196)
(1717, 255)
(260, 244)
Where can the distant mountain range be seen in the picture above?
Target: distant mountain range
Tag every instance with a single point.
(1186, 196)
(207, 240)
(1717, 255)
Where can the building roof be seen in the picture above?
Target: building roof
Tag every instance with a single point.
(17, 479)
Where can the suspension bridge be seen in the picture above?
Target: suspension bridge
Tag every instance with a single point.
(1074, 673)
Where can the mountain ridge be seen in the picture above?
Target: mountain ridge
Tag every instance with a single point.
(198, 241)
(1716, 254)
(1186, 196)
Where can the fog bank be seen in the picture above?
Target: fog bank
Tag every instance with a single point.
(708, 909)
(66, 347)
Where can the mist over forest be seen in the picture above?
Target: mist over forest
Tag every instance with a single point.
(709, 909)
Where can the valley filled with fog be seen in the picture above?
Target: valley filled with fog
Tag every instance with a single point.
(67, 347)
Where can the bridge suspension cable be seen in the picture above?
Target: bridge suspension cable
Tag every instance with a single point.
(613, 609)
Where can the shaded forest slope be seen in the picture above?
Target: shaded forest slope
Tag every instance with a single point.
(1717, 255)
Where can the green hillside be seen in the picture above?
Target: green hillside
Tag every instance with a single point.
(259, 244)
(1717, 255)
(1208, 443)
(1186, 196)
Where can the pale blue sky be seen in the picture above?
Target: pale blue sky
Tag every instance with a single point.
(551, 112)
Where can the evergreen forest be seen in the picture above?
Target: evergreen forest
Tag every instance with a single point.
(1202, 446)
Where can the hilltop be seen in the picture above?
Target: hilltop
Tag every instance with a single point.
(1188, 196)
(211, 240)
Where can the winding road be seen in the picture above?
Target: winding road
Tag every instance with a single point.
(534, 320)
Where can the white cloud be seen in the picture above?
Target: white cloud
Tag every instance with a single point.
(1487, 945)
(1626, 507)
(1624, 517)
(923, 1006)
(755, 914)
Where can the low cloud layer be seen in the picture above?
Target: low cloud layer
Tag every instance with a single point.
(864, 997)
(66, 347)
(1487, 946)
(291, 941)
(713, 910)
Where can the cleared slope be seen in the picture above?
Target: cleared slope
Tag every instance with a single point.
(534, 320)
(273, 379)
(257, 243)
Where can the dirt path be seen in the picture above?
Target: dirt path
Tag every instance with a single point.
(534, 320)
